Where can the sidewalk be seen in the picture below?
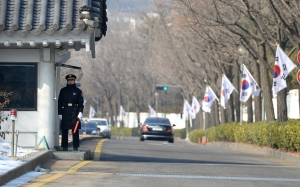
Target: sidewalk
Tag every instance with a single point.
(263, 151)
(32, 161)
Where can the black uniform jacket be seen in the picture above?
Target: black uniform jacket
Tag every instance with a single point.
(70, 103)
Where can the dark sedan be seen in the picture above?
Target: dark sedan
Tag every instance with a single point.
(88, 128)
(157, 128)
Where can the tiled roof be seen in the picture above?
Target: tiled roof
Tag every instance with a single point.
(50, 16)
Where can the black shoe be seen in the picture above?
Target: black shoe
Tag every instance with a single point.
(65, 148)
(75, 149)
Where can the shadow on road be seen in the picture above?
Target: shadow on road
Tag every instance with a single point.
(126, 158)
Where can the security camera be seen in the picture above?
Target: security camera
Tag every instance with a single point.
(62, 52)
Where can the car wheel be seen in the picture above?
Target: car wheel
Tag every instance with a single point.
(141, 139)
(171, 141)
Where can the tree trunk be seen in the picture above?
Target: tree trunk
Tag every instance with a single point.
(223, 115)
(257, 100)
(196, 121)
(230, 110)
(194, 124)
(138, 114)
(200, 115)
(281, 106)
(217, 114)
(213, 115)
(109, 101)
(236, 97)
(207, 120)
(137, 105)
(281, 95)
(116, 111)
(266, 87)
(250, 110)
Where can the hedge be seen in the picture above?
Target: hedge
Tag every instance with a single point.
(125, 131)
(284, 136)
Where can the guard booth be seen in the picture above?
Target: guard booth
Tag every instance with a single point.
(36, 37)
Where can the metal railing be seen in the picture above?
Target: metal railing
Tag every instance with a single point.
(17, 132)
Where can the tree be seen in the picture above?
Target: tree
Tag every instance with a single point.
(4, 101)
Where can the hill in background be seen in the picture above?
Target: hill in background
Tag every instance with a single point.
(129, 6)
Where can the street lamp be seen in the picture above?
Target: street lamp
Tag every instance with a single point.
(204, 116)
(128, 110)
(241, 51)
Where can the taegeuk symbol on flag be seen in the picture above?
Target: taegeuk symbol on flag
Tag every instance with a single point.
(226, 90)
(186, 110)
(283, 66)
(195, 107)
(208, 100)
(249, 86)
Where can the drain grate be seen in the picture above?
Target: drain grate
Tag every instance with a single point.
(208, 177)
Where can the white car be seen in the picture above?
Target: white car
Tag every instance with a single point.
(103, 128)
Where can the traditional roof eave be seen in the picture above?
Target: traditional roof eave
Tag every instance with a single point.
(86, 40)
(30, 18)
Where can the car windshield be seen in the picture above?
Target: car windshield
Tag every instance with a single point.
(158, 120)
(90, 125)
(101, 122)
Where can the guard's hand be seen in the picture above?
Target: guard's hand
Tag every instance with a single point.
(80, 115)
(60, 117)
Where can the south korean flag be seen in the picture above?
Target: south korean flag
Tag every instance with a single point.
(248, 86)
(283, 66)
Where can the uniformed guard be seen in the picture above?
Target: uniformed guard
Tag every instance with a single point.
(70, 109)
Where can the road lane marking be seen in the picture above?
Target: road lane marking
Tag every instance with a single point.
(98, 150)
(209, 177)
(165, 144)
(72, 169)
(56, 176)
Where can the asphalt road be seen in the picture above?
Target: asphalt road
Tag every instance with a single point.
(131, 163)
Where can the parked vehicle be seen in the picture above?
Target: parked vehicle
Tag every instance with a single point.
(103, 128)
(88, 128)
(157, 128)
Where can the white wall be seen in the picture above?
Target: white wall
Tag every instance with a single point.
(27, 126)
(33, 125)
(292, 106)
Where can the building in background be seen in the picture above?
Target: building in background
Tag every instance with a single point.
(35, 42)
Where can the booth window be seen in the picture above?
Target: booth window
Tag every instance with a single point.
(20, 79)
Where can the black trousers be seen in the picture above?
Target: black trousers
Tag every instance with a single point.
(64, 138)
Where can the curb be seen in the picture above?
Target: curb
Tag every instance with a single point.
(70, 144)
(30, 163)
(259, 151)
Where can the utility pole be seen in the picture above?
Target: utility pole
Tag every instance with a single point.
(127, 110)
(165, 89)
(165, 104)
(156, 95)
